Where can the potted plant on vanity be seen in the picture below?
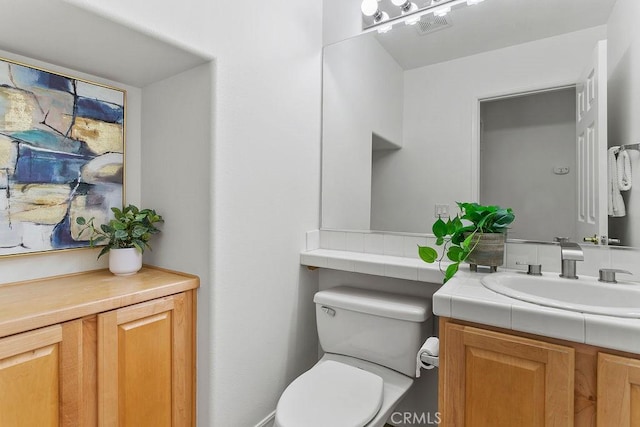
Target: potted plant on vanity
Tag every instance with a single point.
(476, 235)
(125, 237)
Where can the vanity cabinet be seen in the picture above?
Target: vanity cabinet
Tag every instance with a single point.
(618, 391)
(94, 349)
(31, 373)
(495, 377)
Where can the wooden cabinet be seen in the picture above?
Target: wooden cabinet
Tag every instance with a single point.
(145, 355)
(495, 377)
(98, 350)
(30, 375)
(618, 391)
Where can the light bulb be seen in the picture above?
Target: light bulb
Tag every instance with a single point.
(402, 4)
(369, 7)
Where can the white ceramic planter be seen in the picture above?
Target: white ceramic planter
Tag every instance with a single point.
(124, 262)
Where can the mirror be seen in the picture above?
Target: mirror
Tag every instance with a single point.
(404, 113)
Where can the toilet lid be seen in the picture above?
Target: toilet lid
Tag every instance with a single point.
(331, 394)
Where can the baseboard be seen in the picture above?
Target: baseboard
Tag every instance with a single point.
(268, 420)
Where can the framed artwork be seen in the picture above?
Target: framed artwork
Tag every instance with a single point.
(61, 157)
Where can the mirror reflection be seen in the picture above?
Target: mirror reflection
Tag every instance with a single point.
(505, 102)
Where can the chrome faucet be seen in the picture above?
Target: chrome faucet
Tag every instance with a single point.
(570, 252)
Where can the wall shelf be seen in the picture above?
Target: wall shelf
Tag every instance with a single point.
(374, 264)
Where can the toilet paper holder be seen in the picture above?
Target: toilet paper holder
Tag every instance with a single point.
(427, 359)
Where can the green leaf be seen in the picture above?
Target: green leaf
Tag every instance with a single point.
(81, 221)
(120, 234)
(450, 271)
(427, 254)
(117, 225)
(439, 228)
(103, 251)
(439, 241)
(454, 253)
(467, 241)
(138, 231)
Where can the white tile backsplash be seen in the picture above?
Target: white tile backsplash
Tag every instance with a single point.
(521, 253)
(374, 243)
(410, 245)
(313, 240)
(595, 258)
(549, 258)
(354, 242)
(403, 245)
(626, 259)
(393, 245)
(338, 240)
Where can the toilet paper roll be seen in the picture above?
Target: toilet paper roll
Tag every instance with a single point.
(431, 347)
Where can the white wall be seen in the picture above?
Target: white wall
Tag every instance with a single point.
(438, 163)
(26, 267)
(362, 96)
(265, 164)
(262, 170)
(522, 140)
(623, 63)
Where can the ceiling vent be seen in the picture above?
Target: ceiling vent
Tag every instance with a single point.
(430, 24)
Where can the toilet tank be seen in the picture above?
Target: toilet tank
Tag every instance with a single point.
(380, 327)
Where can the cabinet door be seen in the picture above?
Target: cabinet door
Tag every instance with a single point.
(30, 376)
(145, 364)
(618, 391)
(499, 380)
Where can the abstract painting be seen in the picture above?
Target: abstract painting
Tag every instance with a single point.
(61, 157)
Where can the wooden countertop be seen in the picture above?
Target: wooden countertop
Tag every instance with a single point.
(36, 303)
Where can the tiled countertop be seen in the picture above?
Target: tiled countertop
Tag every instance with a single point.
(465, 298)
(378, 265)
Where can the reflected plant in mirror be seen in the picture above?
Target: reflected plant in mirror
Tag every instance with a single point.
(470, 236)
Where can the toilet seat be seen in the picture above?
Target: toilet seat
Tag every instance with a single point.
(331, 394)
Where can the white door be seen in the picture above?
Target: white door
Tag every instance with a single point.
(591, 147)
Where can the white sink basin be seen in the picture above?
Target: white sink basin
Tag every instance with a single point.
(585, 294)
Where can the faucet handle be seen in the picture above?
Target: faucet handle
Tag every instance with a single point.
(608, 275)
(532, 269)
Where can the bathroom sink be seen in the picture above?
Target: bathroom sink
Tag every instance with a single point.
(585, 294)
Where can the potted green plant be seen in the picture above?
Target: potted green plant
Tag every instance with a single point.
(126, 236)
(476, 235)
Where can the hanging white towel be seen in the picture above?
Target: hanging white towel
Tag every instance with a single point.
(624, 171)
(616, 203)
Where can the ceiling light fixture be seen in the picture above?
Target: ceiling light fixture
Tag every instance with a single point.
(407, 7)
(370, 8)
(381, 15)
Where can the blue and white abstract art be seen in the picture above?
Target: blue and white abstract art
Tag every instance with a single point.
(61, 156)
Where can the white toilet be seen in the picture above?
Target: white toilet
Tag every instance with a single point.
(370, 340)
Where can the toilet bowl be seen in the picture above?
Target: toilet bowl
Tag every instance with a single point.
(370, 340)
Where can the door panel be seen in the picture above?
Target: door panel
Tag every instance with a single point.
(591, 147)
